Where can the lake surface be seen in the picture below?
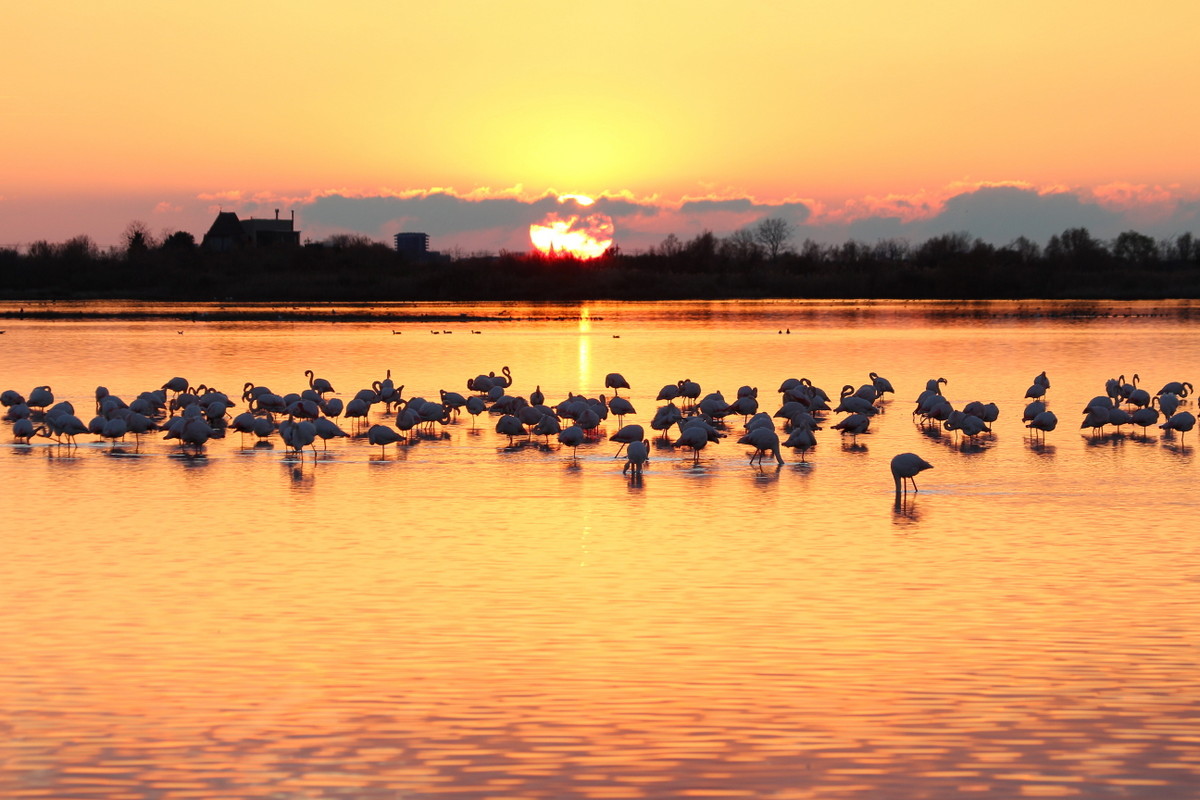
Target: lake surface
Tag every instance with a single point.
(457, 618)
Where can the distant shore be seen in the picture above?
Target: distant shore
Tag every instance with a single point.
(443, 318)
(952, 267)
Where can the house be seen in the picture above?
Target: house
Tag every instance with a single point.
(230, 233)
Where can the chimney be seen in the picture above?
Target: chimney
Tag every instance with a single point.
(277, 213)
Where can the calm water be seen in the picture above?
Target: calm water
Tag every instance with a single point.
(460, 619)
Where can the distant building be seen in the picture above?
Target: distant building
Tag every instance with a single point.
(230, 233)
(412, 244)
(415, 247)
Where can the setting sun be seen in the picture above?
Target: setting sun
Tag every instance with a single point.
(575, 234)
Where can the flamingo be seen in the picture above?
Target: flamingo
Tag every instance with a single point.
(636, 457)
(626, 436)
(763, 440)
(854, 425)
(855, 404)
(803, 439)
(453, 401)
(745, 405)
(1044, 421)
(114, 429)
(504, 379)
(318, 385)
(615, 381)
(689, 390)
(1183, 422)
(881, 384)
(905, 466)
(1095, 418)
(621, 407)
(1181, 388)
(327, 429)
(668, 393)
(177, 385)
(547, 426)
(695, 437)
(40, 397)
(475, 407)
(386, 389)
(572, 437)
(23, 429)
(1144, 417)
(665, 417)
(1138, 397)
(383, 435)
(1119, 417)
(510, 426)
(298, 435)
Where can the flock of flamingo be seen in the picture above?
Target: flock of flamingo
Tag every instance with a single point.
(194, 415)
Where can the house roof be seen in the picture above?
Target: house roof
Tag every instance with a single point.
(226, 225)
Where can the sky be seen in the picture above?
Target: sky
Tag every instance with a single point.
(468, 120)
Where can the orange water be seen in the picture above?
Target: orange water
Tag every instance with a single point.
(458, 618)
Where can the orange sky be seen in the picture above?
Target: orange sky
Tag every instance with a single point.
(826, 103)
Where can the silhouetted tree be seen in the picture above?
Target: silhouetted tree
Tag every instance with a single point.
(1026, 250)
(741, 246)
(891, 250)
(671, 246)
(1135, 249)
(342, 241)
(940, 249)
(78, 249)
(1185, 247)
(773, 235)
(138, 238)
(701, 252)
(811, 252)
(179, 240)
(1077, 247)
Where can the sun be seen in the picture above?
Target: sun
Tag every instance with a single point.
(578, 235)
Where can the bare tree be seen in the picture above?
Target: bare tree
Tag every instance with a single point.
(741, 246)
(773, 235)
(138, 238)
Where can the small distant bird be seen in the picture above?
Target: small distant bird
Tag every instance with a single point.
(904, 467)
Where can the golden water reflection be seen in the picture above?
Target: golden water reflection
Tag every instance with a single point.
(456, 618)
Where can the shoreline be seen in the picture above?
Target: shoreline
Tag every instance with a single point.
(526, 310)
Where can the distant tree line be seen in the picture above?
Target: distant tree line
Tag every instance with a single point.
(758, 262)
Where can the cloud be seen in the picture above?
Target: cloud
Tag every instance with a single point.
(491, 220)
(996, 211)
(999, 214)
